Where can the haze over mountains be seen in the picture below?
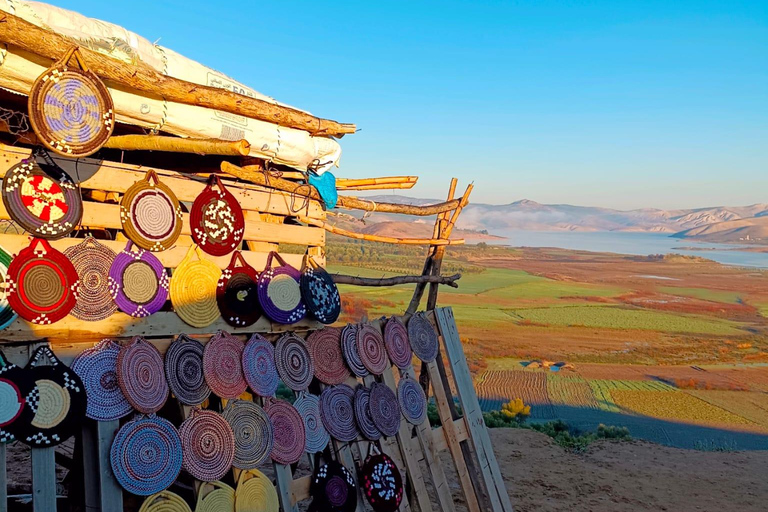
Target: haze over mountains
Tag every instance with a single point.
(715, 224)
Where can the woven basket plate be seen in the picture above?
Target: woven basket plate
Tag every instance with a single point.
(317, 436)
(349, 349)
(92, 262)
(222, 365)
(208, 445)
(42, 284)
(382, 483)
(280, 293)
(338, 412)
(423, 338)
(370, 346)
(237, 293)
(293, 361)
(151, 214)
(141, 375)
(193, 289)
(7, 314)
(385, 410)
(166, 501)
(288, 428)
(184, 371)
(70, 109)
(216, 219)
(363, 414)
(327, 358)
(320, 293)
(259, 366)
(15, 386)
(146, 455)
(333, 488)
(138, 282)
(253, 433)
(42, 199)
(397, 343)
(255, 493)
(413, 401)
(220, 498)
(97, 368)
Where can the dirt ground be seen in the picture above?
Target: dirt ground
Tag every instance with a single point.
(627, 476)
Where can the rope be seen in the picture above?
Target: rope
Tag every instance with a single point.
(18, 122)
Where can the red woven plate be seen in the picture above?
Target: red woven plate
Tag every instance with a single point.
(216, 219)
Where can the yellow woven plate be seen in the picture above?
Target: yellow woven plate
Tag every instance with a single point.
(165, 501)
(193, 289)
(220, 498)
(255, 493)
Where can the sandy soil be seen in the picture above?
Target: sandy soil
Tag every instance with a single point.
(627, 476)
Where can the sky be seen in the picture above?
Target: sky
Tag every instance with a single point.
(619, 104)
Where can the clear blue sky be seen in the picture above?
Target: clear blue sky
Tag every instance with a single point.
(611, 103)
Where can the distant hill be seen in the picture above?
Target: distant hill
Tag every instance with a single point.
(714, 224)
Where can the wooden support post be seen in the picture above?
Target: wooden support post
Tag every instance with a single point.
(478, 433)
(284, 476)
(111, 494)
(44, 479)
(89, 441)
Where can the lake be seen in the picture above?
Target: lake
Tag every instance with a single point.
(629, 243)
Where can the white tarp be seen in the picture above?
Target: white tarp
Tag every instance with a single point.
(281, 145)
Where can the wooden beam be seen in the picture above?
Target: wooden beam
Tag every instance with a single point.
(15, 31)
(393, 281)
(378, 238)
(179, 145)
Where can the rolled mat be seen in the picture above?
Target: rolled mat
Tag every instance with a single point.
(184, 371)
(216, 219)
(363, 414)
(423, 338)
(255, 493)
(280, 293)
(138, 282)
(151, 214)
(327, 357)
(92, 262)
(222, 365)
(215, 497)
(293, 361)
(146, 455)
(259, 366)
(141, 375)
(288, 429)
(165, 501)
(208, 445)
(412, 400)
(317, 436)
(252, 428)
(370, 346)
(338, 412)
(97, 368)
(385, 410)
(349, 349)
(193, 289)
(396, 341)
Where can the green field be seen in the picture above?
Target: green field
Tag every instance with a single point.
(703, 294)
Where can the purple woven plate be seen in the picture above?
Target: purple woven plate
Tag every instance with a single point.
(141, 375)
(423, 338)
(349, 349)
(259, 366)
(413, 401)
(396, 341)
(294, 364)
(309, 408)
(223, 366)
(280, 293)
(325, 349)
(288, 428)
(385, 410)
(97, 368)
(338, 412)
(370, 346)
(363, 413)
(138, 282)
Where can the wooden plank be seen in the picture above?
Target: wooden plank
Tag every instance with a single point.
(3, 481)
(103, 215)
(111, 493)
(96, 174)
(169, 258)
(284, 479)
(43, 480)
(478, 432)
(300, 488)
(438, 436)
(91, 470)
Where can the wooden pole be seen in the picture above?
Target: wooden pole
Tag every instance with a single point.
(17, 32)
(380, 186)
(393, 281)
(179, 145)
(377, 238)
(387, 182)
(352, 203)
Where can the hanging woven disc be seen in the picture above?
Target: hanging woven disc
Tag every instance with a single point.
(7, 314)
(58, 402)
(325, 351)
(92, 262)
(252, 428)
(280, 293)
(41, 283)
(423, 338)
(370, 346)
(70, 108)
(317, 436)
(151, 214)
(237, 293)
(216, 219)
(413, 401)
(15, 385)
(259, 366)
(42, 198)
(222, 365)
(338, 412)
(288, 428)
(97, 368)
(141, 375)
(166, 501)
(320, 293)
(220, 498)
(363, 414)
(385, 410)
(146, 455)
(138, 282)
(255, 493)
(332, 488)
(184, 371)
(193, 289)
(293, 361)
(208, 445)
(349, 349)
(396, 341)
(381, 481)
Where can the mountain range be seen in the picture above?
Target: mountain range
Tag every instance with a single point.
(725, 224)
